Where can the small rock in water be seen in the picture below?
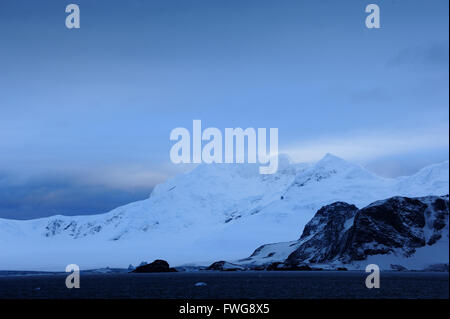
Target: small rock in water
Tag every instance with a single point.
(158, 265)
(200, 284)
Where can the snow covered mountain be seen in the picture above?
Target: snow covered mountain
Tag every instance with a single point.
(214, 212)
(396, 233)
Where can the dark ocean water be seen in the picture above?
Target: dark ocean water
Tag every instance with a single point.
(267, 285)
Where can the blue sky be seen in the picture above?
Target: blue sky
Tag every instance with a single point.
(85, 115)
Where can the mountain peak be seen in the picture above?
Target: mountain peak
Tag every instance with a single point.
(204, 212)
(330, 158)
(330, 161)
(331, 167)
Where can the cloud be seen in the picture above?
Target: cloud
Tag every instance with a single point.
(432, 55)
(123, 177)
(33, 201)
(76, 191)
(362, 146)
(375, 95)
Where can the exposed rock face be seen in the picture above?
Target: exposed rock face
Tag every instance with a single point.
(224, 266)
(438, 267)
(286, 266)
(328, 226)
(156, 266)
(398, 267)
(197, 211)
(398, 225)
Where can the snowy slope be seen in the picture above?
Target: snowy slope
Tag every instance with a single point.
(214, 212)
(395, 233)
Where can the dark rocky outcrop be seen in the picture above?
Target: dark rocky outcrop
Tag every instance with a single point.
(327, 226)
(341, 233)
(398, 267)
(279, 266)
(274, 266)
(438, 267)
(158, 265)
(224, 266)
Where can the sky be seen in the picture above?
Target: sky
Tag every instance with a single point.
(86, 114)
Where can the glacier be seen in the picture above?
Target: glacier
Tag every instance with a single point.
(214, 212)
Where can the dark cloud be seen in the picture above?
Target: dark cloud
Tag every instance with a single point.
(433, 55)
(50, 195)
(109, 93)
(375, 95)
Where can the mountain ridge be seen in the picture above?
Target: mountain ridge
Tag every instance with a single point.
(188, 217)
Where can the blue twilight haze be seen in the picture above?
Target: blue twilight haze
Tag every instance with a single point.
(85, 114)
